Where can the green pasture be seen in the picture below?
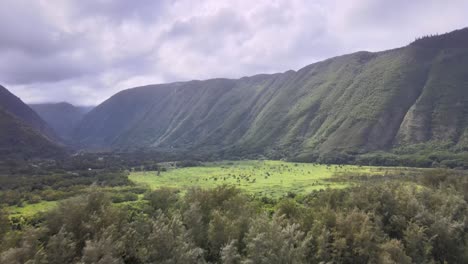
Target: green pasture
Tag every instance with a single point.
(28, 210)
(268, 178)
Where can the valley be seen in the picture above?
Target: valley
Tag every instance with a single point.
(359, 158)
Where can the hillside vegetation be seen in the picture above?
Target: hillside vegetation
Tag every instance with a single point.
(18, 140)
(13, 105)
(23, 134)
(357, 103)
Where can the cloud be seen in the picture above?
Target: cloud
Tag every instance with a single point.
(85, 51)
(24, 29)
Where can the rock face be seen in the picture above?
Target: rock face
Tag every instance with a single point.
(356, 103)
(62, 117)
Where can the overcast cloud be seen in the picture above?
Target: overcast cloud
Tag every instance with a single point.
(83, 51)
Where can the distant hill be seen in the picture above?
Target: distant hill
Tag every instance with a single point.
(12, 104)
(62, 117)
(354, 103)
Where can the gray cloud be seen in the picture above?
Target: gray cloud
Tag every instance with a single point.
(23, 29)
(85, 51)
(17, 67)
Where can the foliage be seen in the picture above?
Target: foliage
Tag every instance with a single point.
(419, 220)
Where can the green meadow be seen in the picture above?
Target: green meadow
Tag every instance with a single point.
(264, 178)
(29, 210)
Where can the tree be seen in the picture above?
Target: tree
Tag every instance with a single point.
(197, 229)
(163, 199)
(102, 250)
(230, 253)
(276, 241)
(4, 224)
(418, 245)
(61, 248)
(29, 251)
(393, 252)
(162, 240)
(356, 238)
(84, 217)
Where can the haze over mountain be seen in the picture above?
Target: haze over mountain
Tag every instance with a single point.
(356, 103)
(62, 117)
(23, 133)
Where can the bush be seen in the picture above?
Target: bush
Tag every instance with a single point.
(124, 197)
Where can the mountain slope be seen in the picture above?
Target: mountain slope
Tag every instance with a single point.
(12, 104)
(18, 140)
(62, 117)
(355, 103)
(23, 134)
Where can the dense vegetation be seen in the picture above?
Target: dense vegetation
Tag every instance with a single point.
(20, 141)
(33, 181)
(422, 221)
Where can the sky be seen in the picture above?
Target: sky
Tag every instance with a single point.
(84, 51)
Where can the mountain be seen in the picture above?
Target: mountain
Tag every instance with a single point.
(62, 117)
(19, 140)
(355, 103)
(13, 105)
(23, 134)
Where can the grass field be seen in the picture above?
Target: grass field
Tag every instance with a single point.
(29, 210)
(265, 178)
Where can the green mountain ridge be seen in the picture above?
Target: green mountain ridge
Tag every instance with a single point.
(354, 103)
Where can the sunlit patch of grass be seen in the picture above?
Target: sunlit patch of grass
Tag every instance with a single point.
(29, 210)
